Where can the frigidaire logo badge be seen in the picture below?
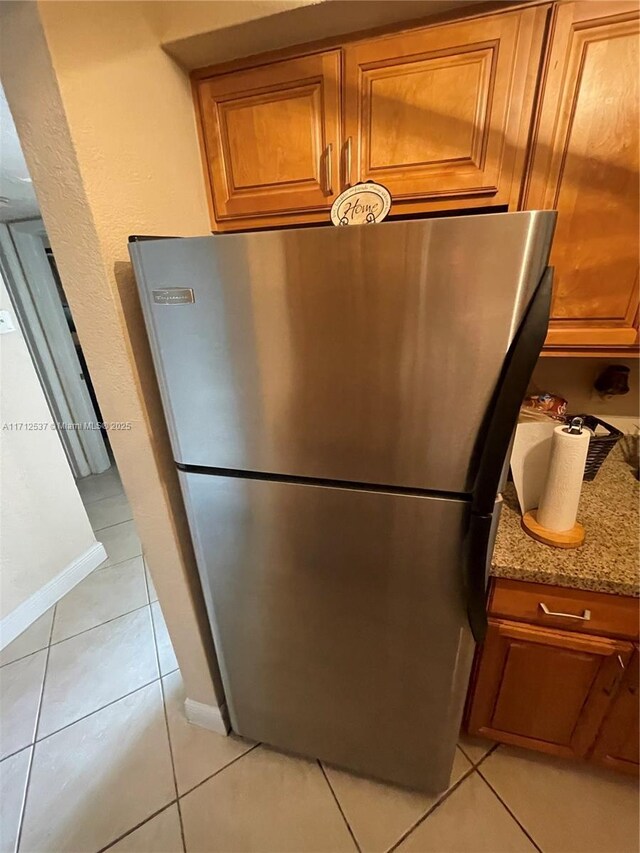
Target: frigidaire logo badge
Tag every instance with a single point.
(173, 296)
(362, 203)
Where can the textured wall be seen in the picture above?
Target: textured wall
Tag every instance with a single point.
(178, 19)
(107, 127)
(43, 522)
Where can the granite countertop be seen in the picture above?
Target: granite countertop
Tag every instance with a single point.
(608, 560)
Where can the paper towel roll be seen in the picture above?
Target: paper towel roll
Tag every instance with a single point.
(561, 494)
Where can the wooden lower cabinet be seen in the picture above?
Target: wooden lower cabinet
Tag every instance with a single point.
(548, 690)
(618, 744)
(558, 673)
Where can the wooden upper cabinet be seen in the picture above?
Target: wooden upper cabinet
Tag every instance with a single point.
(271, 137)
(440, 115)
(585, 164)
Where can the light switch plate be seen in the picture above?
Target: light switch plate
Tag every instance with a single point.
(6, 322)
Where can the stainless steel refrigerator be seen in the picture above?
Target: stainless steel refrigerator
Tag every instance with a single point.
(340, 403)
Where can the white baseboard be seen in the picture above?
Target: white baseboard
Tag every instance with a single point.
(207, 716)
(26, 613)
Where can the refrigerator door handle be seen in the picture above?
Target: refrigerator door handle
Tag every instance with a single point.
(477, 546)
(509, 394)
(518, 367)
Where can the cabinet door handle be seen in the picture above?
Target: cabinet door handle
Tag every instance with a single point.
(328, 152)
(586, 614)
(347, 163)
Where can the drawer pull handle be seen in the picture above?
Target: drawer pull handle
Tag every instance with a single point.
(586, 615)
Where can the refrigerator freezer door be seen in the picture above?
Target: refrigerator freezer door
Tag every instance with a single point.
(339, 620)
(367, 354)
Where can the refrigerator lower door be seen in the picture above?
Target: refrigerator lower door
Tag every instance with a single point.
(339, 620)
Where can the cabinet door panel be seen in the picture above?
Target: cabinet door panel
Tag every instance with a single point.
(585, 164)
(546, 690)
(271, 136)
(437, 114)
(247, 122)
(618, 744)
(451, 91)
(551, 671)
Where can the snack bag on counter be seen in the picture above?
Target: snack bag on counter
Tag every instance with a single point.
(542, 407)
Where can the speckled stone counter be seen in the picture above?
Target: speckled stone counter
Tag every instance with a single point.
(608, 560)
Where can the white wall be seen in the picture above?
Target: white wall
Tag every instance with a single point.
(43, 525)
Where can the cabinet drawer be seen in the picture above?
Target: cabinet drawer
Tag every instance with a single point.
(609, 615)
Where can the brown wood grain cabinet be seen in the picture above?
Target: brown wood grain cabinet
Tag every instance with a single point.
(535, 106)
(618, 744)
(441, 115)
(543, 689)
(272, 137)
(556, 689)
(585, 164)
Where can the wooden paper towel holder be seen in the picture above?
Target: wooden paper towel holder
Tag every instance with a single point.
(572, 538)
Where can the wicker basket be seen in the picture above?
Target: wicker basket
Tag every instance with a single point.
(600, 446)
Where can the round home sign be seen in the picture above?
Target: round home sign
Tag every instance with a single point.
(362, 203)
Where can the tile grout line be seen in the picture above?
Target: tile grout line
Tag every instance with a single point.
(115, 523)
(87, 504)
(340, 809)
(24, 657)
(95, 711)
(445, 796)
(100, 624)
(146, 580)
(27, 781)
(111, 565)
(489, 752)
(84, 630)
(220, 770)
(508, 810)
(17, 751)
(32, 746)
(166, 717)
(491, 749)
(84, 716)
(111, 526)
(106, 497)
(35, 651)
(137, 826)
(447, 793)
(102, 568)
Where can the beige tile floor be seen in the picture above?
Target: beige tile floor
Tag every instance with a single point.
(97, 754)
